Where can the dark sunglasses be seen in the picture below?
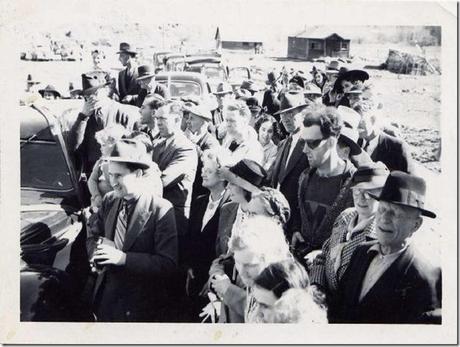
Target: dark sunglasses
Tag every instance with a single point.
(312, 144)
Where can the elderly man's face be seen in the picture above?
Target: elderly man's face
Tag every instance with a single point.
(395, 224)
(194, 122)
(145, 83)
(292, 120)
(249, 265)
(124, 58)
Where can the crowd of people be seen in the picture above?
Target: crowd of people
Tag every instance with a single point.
(299, 208)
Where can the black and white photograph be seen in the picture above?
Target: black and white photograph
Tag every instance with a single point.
(196, 172)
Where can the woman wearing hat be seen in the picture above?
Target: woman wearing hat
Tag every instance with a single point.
(353, 227)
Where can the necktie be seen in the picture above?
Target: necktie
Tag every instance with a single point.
(233, 146)
(287, 149)
(121, 226)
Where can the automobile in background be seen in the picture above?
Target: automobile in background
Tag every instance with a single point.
(238, 74)
(54, 266)
(174, 62)
(184, 84)
(158, 60)
(210, 66)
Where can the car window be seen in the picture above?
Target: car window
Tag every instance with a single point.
(212, 72)
(239, 72)
(183, 88)
(43, 166)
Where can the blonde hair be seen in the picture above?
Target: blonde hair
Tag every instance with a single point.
(262, 236)
(299, 306)
(239, 106)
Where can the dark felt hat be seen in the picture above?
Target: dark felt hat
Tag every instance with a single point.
(253, 103)
(298, 80)
(126, 48)
(130, 151)
(249, 85)
(144, 71)
(370, 175)
(406, 190)
(51, 89)
(271, 78)
(92, 81)
(246, 174)
(290, 102)
(30, 80)
(223, 88)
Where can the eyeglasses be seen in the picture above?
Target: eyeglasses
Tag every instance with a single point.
(312, 144)
(360, 192)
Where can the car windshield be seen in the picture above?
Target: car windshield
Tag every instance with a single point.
(43, 164)
(214, 72)
(239, 72)
(183, 88)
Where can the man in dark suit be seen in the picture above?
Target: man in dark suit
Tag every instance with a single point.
(290, 161)
(133, 243)
(392, 151)
(145, 78)
(177, 159)
(199, 119)
(98, 112)
(388, 281)
(128, 86)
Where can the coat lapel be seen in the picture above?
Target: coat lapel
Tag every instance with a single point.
(111, 219)
(138, 219)
(296, 155)
(276, 168)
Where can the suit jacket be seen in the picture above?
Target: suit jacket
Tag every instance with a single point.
(287, 176)
(81, 135)
(394, 153)
(226, 220)
(207, 141)
(409, 289)
(178, 162)
(136, 291)
(201, 247)
(128, 85)
(160, 89)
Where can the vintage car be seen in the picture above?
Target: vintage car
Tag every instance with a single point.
(158, 58)
(184, 84)
(54, 267)
(210, 66)
(238, 74)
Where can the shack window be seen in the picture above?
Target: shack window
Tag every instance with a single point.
(344, 45)
(316, 45)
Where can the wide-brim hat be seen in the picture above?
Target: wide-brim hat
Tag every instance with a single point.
(30, 80)
(299, 80)
(92, 81)
(350, 117)
(242, 94)
(249, 85)
(355, 75)
(144, 71)
(350, 137)
(198, 110)
(126, 48)
(405, 190)
(372, 175)
(51, 89)
(290, 102)
(333, 65)
(223, 88)
(130, 151)
(246, 174)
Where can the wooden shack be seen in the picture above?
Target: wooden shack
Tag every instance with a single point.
(317, 42)
(234, 39)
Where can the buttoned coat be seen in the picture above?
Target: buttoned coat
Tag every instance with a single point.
(409, 291)
(137, 290)
(128, 84)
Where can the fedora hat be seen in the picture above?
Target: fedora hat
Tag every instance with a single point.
(290, 102)
(298, 80)
(249, 85)
(405, 190)
(130, 151)
(271, 78)
(92, 81)
(312, 89)
(51, 89)
(246, 174)
(370, 175)
(223, 88)
(253, 104)
(144, 71)
(126, 48)
(242, 94)
(355, 75)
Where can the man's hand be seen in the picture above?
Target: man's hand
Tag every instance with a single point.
(220, 283)
(89, 106)
(190, 278)
(106, 254)
(127, 99)
(310, 257)
(296, 238)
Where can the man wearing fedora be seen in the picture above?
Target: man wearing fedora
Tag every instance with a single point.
(224, 94)
(388, 280)
(146, 80)
(132, 242)
(290, 161)
(198, 122)
(128, 86)
(270, 101)
(98, 112)
(49, 93)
